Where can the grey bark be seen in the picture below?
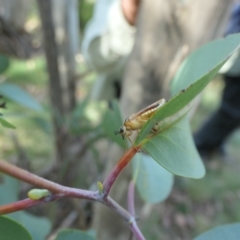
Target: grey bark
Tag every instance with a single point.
(60, 30)
(15, 11)
(15, 41)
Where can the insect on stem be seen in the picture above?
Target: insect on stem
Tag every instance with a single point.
(136, 121)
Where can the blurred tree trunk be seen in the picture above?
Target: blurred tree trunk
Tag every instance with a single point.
(166, 32)
(15, 11)
(15, 41)
(61, 40)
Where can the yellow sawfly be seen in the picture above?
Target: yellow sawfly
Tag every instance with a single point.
(136, 121)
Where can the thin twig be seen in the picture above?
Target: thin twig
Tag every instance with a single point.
(125, 159)
(27, 203)
(136, 231)
(60, 191)
(131, 205)
(33, 179)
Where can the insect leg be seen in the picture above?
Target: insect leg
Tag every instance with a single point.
(133, 144)
(128, 134)
(130, 141)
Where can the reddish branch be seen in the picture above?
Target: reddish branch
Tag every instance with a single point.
(125, 159)
(60, 191)
(26, 203)
(35, 180)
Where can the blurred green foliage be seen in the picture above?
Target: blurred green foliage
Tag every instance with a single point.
(27, 72)
(20, 96)
(225, 232)
(70, 234)
(85, 12)
(10, 230)
(4, 63)
(27, 77)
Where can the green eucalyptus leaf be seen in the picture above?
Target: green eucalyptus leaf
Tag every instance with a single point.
(225, 232)
(4, 63)
(174, 149)
(154, 183)
(43, 123)
(204, 60)
(11, 230)
(78, 111)
(92, 232)
(78, 123)
(6, 123)
(68, 234)
(172, 146)
(9, 189)
(111, 122)
(19, 95)
(198, 82)
(30, 222)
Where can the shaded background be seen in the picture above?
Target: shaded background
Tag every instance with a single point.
(61, 136)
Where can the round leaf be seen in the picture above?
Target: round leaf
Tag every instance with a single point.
(20, 96)
(73, 235)
(4, 63)
(224, 47)
(11, 230)
(30, 222)
(154, 183)
(174, 149)
(6, 123)
(10, 187)
(113, 121)
(225, 232)
(203, 61)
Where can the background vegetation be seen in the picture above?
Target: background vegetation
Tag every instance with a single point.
(193, 207)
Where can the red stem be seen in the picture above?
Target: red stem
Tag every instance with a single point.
(125, 159)
(19, 205)
(62, 191)
(26, 203)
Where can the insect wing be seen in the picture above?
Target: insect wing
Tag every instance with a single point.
(153, 106)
